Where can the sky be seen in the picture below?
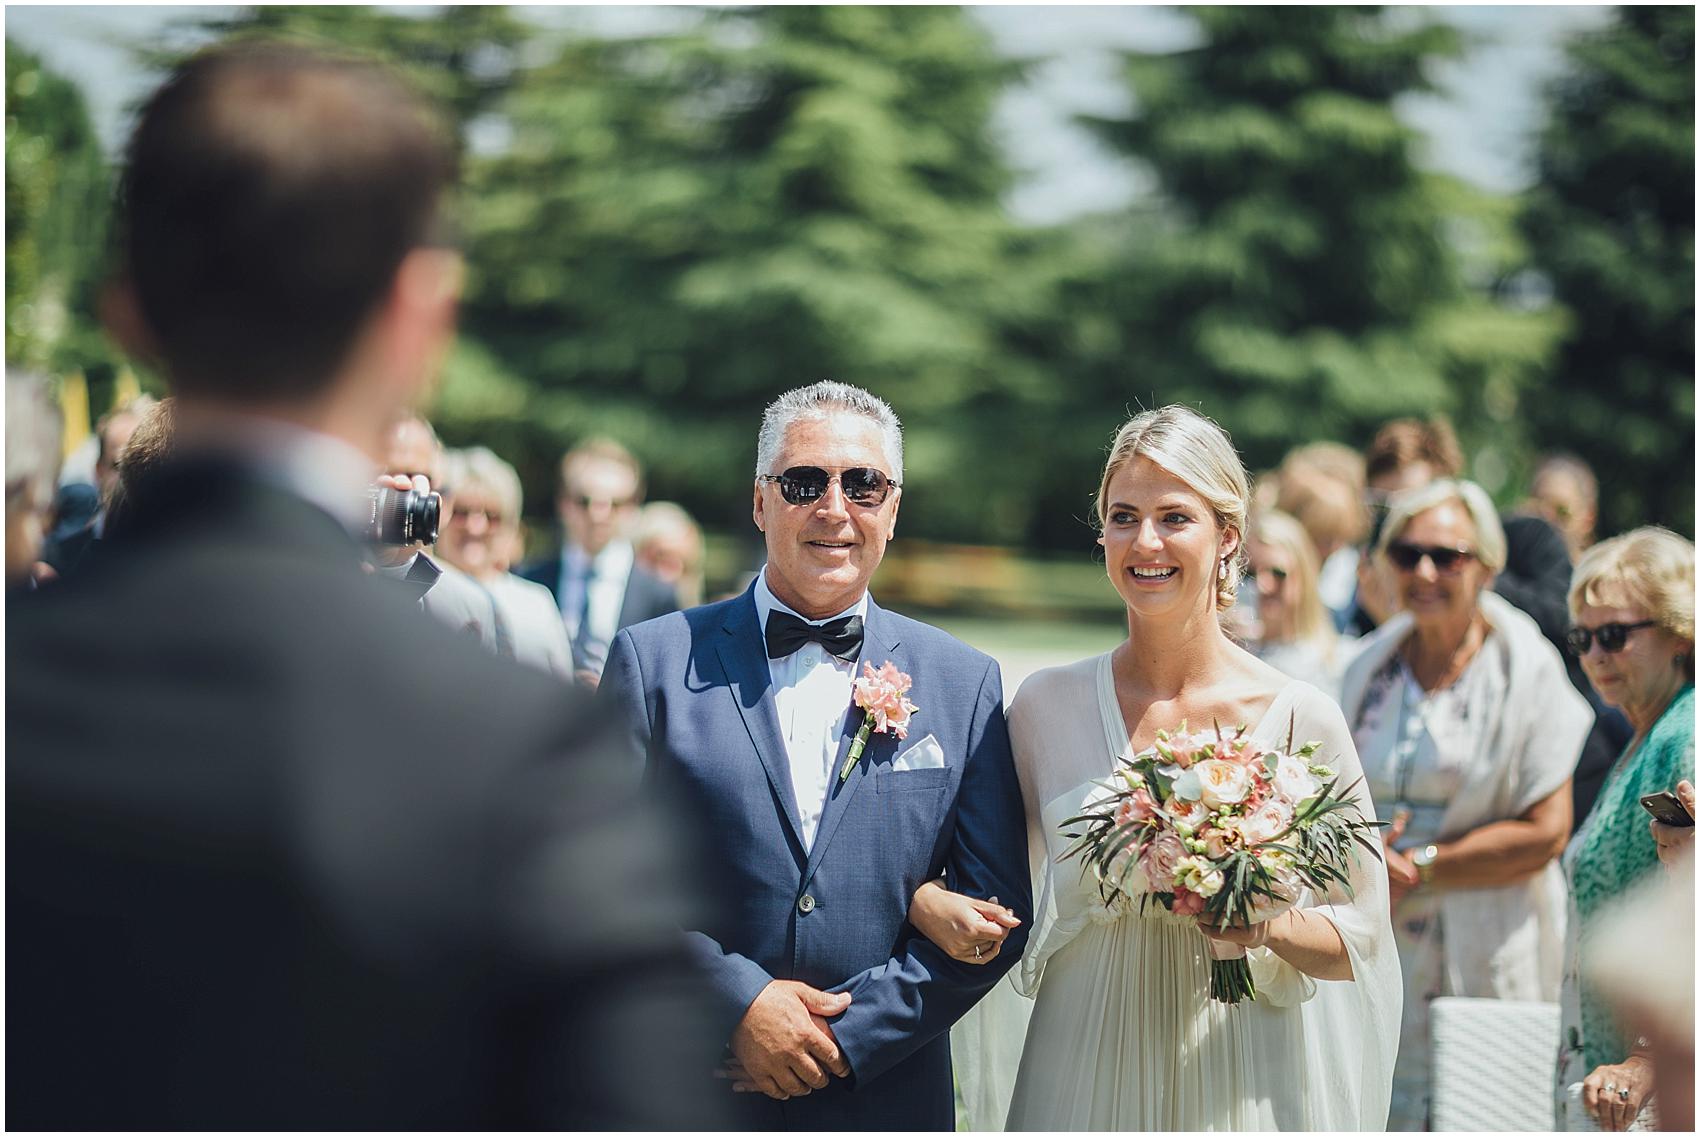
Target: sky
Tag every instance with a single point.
(1480, 126)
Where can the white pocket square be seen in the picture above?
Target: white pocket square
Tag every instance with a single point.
(926, 754)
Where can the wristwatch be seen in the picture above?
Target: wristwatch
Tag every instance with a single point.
(1423, 861)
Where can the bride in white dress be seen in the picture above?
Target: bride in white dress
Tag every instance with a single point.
(1123, 1034)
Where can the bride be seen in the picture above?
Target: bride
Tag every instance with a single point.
(1123, 1034)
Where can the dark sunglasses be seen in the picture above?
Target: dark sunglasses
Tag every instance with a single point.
(805, 485)
(587, 503)
(1406, 556)
(1612, 637)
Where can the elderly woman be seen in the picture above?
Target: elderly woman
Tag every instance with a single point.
(1632, 604)
(482, 501)
(1298, 634)
(1468, 731)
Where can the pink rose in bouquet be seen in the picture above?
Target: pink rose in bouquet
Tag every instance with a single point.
(1222, 828)
(1159, 861)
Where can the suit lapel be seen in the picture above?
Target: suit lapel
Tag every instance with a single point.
(743, 655)
(879, 644)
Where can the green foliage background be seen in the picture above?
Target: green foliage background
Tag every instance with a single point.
(665, 231)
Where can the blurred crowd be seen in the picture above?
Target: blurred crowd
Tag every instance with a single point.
(1521, 696)
(1515, 690)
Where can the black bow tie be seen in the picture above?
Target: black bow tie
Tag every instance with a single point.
(786, 634)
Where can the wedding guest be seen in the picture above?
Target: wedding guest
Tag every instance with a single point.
(1565, 492)
(597, 584)
(66, 551)
(1652, 992)
(485, 496)
(1468, 734)
(33, 426)
(1298, 638)
(442, 591)
(1321, 485)
(308, 861)
(669, 545)
(1535, 577)
(1633, 607)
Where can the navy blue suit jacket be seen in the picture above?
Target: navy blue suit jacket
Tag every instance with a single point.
(695, 691)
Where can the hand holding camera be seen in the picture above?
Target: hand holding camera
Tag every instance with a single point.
(404, 517)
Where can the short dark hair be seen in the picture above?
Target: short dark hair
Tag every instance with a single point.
(1407, 441)
(269, 195)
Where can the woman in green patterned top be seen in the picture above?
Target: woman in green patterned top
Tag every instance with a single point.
(1632, 603)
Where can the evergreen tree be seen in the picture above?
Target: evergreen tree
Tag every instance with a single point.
(685, 225)
(1612, 227)
(1297, 276)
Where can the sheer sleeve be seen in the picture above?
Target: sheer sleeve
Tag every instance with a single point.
(986, 1043)
(1351, 1027)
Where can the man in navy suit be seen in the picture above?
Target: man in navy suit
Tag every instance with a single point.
(836, 1011)
(594, 576)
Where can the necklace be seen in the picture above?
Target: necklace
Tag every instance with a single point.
(1474, 636)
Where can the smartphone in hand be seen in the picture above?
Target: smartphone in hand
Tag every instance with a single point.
(1668, 809)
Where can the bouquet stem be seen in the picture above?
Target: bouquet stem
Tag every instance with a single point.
(1230, 980)
(1230, 974)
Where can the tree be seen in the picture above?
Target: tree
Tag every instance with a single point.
(1611, 225)
(1297, 276)
(685, 225)
(57, 201)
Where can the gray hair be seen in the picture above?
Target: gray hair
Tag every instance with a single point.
(34, 429)
(479, 468)
(820, 401)
(1490, 534)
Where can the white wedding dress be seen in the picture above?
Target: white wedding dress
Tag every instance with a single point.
(1123, 1034)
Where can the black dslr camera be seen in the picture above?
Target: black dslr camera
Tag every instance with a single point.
(402, 517)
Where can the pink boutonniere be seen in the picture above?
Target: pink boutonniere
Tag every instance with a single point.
(880, 694)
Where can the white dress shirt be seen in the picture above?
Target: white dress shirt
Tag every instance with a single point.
(607, 594)
(811, 692)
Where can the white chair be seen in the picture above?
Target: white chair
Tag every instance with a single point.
(1491, 1065)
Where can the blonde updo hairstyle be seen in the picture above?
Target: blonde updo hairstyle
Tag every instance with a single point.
(1199, 453)
(1649, 568)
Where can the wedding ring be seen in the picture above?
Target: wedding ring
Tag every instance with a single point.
(976, 951)
(1611, 1088)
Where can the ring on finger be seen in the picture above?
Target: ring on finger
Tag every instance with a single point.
(977, 950)
(1623, 1093)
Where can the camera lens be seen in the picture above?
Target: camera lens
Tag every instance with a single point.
(403, 517)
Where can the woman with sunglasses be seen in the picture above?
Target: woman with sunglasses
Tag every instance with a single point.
(1632, 606)
(1298, 637)
(1468, 730)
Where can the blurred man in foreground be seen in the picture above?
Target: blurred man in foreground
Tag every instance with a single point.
(315, 862)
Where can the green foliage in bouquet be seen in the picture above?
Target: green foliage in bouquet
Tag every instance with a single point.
(1264, 856)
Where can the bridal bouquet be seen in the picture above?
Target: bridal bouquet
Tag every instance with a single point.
(1217, 825)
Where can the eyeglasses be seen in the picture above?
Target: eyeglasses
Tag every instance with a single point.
(611, 503)
(464, 513)
(1406, 557)
(805, 485)
(1612, 637)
